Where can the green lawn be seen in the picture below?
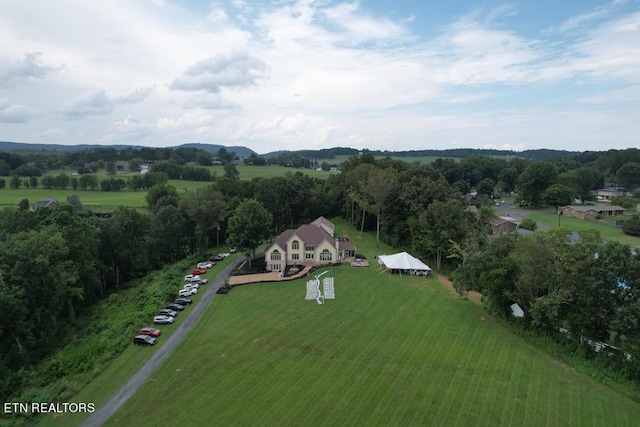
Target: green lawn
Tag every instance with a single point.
(607, 232)
(390, 350)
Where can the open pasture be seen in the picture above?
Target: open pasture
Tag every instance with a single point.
(607, 232)
(390, 350)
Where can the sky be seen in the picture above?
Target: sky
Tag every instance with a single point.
(303, 74)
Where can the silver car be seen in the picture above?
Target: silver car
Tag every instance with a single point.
(163, 320)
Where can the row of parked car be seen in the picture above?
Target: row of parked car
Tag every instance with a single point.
(167, 315)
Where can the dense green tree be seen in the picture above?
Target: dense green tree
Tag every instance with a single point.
(558, 195)
(15, 182)
(486, 187)
(249, 224)
(33, 181)
(436, 229)
(378, 189)
(631, 226)
(24, 204)
(628, 175)
(507, 179)
(159, 191)
(124, 248)
(207, 212)
(231, 171)
(582, 181)
(535, 179)
(61, 181)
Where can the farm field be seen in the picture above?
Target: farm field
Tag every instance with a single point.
(109, 200)
(607, 232)
(390, 350)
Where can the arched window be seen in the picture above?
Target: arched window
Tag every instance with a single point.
(275, 255)
(295, 245)
(325, 255)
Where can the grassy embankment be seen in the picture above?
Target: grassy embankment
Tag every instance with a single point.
(390, 350)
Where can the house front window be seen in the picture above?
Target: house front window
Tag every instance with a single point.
(295, 245)
(325, 255)
(308, 255)
(295, 256)
(275, 255)
(309, 248)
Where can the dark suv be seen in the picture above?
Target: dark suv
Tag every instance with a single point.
(144, 340)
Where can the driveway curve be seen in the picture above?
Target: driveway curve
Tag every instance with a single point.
(117, 399)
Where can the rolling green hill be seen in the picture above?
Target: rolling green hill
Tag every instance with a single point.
(390, 350)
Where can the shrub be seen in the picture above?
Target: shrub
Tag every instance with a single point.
(528, 224)
(631, 226)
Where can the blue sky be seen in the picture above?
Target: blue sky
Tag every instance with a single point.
(276, 75)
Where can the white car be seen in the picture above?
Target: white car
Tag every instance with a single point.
(192, 285)
(163, 320)
(204, 265)
(224, 254)
(192, 278)
(187, 292)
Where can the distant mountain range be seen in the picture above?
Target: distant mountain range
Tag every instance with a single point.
(327, 153)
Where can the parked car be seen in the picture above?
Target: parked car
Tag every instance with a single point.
(207, 264)
(175, 307)
(152, 332)
(233, 249)
(167, 312)
(199, 282)
(192, 278)
(224, 254)
(183, 301)
(163, 320)
(198, 271)
(144, 340)
(216, 258)
(192, 285)
(187, 292)
(224, 290)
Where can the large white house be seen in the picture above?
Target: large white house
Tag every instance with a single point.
(310, 244)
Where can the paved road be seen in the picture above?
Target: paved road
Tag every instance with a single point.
(117, 399)
(511, 210)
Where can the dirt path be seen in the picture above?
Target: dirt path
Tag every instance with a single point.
(472, 295)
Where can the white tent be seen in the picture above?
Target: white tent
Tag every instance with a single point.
(404, 261)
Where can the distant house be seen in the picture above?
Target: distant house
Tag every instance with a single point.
(49, 203)
(592, 212)
(144, 168)
(310, 244)
(503, 225)
(608, 192)
(122, 165)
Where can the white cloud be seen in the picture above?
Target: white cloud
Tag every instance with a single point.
(237, 69)
(127, 131)
(582, 19)
(28, 68)
(11, 113)
(292, 74)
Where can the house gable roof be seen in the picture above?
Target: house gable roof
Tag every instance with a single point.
(312, 235)
(595, 208)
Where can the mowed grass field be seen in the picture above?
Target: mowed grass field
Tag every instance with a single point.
(607, 232)
(97, 200)
(390, 350)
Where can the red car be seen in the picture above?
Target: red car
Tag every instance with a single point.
(199, 271)
(152, 332)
